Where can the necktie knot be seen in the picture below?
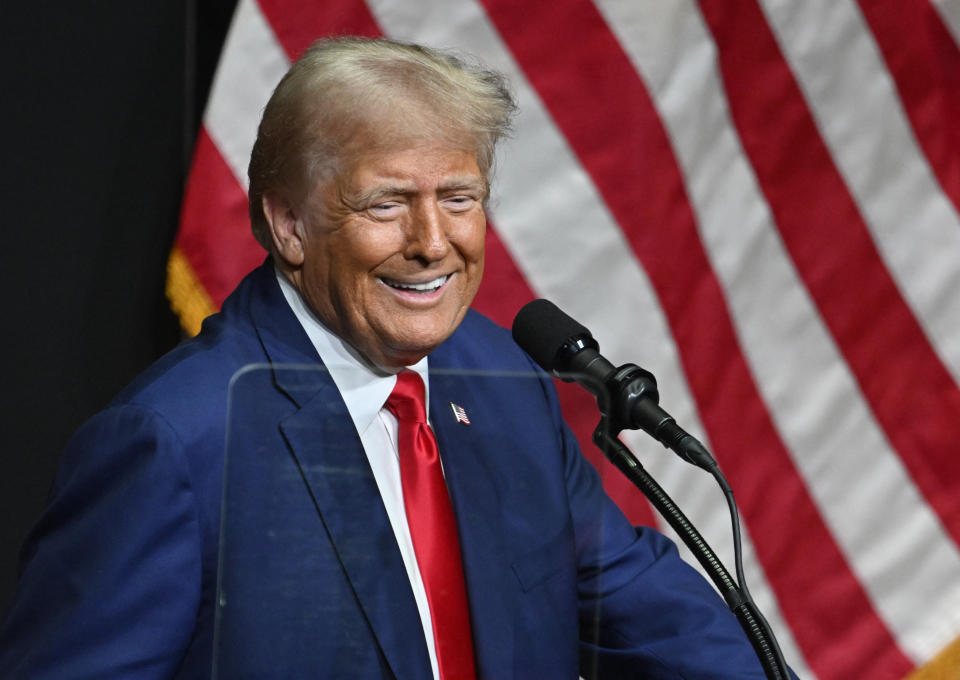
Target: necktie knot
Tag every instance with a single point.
(408, 399)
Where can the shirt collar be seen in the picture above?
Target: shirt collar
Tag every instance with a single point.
(363, 390)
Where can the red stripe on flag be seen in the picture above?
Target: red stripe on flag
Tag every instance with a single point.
(502, 293)
(908, 388)
(297, 23)
(925, 64)
(641, 183)
(214, 231)
(503, 290)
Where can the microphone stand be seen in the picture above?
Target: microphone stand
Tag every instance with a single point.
(736, 596)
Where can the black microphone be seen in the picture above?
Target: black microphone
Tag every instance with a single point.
(626, 395)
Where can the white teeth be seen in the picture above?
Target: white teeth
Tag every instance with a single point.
(422, 287)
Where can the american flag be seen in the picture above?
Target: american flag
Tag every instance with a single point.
(757, 200)
(460, 413)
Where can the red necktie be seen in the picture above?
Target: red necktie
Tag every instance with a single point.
(432, 528)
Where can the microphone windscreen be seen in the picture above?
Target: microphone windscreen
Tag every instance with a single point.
(542, 329)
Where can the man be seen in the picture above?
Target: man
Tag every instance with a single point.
(367, 187)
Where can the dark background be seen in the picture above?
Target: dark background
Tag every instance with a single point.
(101, 102)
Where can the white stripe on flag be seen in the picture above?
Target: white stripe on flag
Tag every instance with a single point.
(814, 400)
(251, 65)
(950, 12)
(832, 53)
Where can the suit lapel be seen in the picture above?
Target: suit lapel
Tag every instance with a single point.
(331, 458)
(325, 444)
(473, 493)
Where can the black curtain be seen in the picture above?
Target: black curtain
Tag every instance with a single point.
(101, 102)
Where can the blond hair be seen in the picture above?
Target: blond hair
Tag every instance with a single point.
(340, 85)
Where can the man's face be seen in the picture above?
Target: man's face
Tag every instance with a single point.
(393, 248)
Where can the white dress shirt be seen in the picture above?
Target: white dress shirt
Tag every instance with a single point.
(365, 392)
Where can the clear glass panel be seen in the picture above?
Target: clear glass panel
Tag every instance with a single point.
(311, 578)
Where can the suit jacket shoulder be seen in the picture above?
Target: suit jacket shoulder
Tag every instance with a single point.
(126, 550)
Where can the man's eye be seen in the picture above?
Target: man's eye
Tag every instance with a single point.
(385, 210)
(459, 202)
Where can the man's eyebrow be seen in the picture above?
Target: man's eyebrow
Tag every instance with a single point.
(375, 193)
(378, 192)
(469, 182)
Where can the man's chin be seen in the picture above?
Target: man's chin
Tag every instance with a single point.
(402, 351)
(395, 358)
(407, 339)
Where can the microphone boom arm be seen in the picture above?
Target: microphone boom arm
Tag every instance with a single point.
(628, 399)
(752, 622)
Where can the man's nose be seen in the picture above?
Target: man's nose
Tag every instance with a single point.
(427, 232)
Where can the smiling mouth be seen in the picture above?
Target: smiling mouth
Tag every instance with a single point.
(425, 288)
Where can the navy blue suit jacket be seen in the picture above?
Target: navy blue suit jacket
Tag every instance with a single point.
(120, 575)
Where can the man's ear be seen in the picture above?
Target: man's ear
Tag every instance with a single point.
(286, 229)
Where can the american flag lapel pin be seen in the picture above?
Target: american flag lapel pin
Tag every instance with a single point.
(460, 413)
